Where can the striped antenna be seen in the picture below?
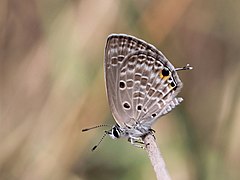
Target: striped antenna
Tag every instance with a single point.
(87, 129)
(104, 135)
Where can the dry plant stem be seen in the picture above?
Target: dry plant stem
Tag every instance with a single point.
(156, 158)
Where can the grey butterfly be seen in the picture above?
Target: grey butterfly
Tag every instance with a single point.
(142, 85)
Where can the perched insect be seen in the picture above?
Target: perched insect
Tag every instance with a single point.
(141, 84)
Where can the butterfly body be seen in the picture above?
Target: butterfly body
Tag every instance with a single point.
(141, 84)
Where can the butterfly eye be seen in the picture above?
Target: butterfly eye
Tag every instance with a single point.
(115, 133)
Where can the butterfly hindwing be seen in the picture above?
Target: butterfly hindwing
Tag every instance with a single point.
(150, 92)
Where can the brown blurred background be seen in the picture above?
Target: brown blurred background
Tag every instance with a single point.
(52, 86)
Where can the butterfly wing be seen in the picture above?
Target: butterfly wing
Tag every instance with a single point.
(118, 46)
(141, 83)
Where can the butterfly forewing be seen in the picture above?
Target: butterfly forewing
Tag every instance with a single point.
(141, 83)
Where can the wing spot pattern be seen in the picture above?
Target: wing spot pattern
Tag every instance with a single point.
(126, 105)
(122, 85)
(138, 94)
(139, 107)
(130, 83)
(114, 61)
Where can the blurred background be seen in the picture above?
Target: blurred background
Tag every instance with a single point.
(52, 86)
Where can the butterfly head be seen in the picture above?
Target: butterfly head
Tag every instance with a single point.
(114, 133)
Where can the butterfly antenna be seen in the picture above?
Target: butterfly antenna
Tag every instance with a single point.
(104, 135)
(87, 129)
(187, 67)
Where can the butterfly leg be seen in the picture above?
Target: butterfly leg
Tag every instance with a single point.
(152, 131)
(137, 143)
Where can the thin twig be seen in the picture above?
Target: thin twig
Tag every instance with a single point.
(156, 158)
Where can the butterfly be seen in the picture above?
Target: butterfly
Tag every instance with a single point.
(142, 85)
